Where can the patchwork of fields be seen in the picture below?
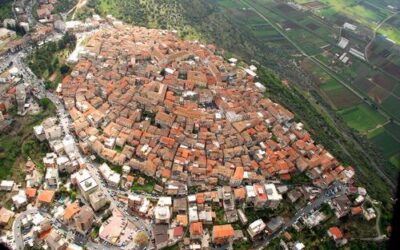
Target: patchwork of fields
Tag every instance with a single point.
(365, 94)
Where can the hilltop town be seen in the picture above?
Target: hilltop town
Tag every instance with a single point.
(160, 142)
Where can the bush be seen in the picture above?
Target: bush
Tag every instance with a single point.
(44, 103)
(73, 195)
(64, 69)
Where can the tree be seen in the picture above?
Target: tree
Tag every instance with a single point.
(44, 103)
(64, 69)
(141, 239)
(47, 84)
(73, 195)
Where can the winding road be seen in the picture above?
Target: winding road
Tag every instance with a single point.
(19, 241)
(322, 198)
(30, 77)
(375, 32)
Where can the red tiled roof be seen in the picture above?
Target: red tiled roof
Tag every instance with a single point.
(336, 233)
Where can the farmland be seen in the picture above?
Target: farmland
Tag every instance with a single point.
(362, 118)
(362, 11)
(387, 143)
(365, 95)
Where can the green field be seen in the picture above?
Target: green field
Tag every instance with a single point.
(391, 105)
(363, 13)
(387, 144)
(231, 3)
(5, 9)
(393, 33)
(362, 117)
(375, 132)
(396, 91)
(393, 129)
(339, 95)
(395, 160)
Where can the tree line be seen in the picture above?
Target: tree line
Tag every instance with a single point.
(45, 60)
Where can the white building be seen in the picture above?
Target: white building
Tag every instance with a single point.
(6, 185)
(273, 196)
(39, 133)
(260, 86)
(6, 33)
(112, 178)
(162, 212)
(85, 182)
(69, 145)
(256, 228)
(51, 178)
(97, 199)
(250, 193)
(20, 199)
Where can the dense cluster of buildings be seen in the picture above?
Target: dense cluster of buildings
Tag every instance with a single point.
(174, 112)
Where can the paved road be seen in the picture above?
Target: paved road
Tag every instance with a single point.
(18, 239)
(375, 32)
(322, 198)
(93, 168)
(32, 79)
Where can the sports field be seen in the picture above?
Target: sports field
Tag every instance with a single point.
(362, 117)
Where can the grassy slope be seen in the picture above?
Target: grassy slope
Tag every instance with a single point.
(20, 143)
(46, 62)
(5, 9)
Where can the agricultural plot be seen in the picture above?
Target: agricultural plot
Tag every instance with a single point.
(384, 82)
(395, 160)
(320, 28)
(378, 94)
(396, 91)
(308, 42)
(325, 58)
(231, 3)
(391, 105)
(339, 95)
(360, 11)
(387, 144)
(391, 29)
(309, 31)
(362, 117)
(375, 132)
(265, 32)
(393, 129)
(393, 69)
(380, 51)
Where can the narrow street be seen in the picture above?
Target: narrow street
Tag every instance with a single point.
(18, 60)
(322, 198)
